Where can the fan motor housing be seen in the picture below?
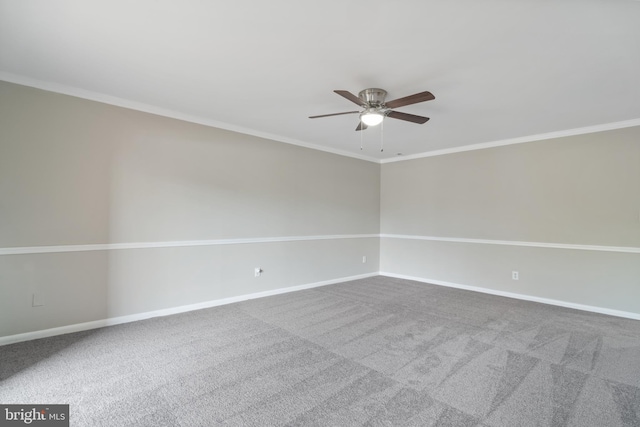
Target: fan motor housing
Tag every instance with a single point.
(374, 97)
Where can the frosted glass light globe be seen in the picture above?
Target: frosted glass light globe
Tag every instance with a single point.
(371, 118)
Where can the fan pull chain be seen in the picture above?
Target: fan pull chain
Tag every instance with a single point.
(361, 132)
(382, 136)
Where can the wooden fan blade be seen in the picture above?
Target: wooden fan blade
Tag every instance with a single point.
(411, 99)
(351, 97)
(407, 117)
(334, 114)
(361, 126)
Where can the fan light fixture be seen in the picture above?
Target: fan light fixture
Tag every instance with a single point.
(371, 118)
(376, 108)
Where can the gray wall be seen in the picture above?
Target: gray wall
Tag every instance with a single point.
(580, 190)
(77, 172)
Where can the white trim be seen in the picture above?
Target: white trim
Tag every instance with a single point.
(27, 336)
(624, 249)
(531, 138)
(147, 108)
(255, 240)
(11, 339)
(590, 308)
(171, 244)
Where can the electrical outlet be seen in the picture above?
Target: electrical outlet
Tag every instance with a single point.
(257, 272)
(37, 300)
(364, 259)
(515, 275)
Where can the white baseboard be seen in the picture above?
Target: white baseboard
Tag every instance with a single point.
(11, 339)
(78, 327)
(590, 308)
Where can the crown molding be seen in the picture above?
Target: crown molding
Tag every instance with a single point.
(158, 111)
(151, 109)
(520, 140)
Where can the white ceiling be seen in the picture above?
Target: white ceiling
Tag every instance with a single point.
(500, 69)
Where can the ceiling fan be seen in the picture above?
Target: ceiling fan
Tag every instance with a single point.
(376, 109)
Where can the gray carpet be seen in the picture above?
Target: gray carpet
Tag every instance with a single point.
(374, 352)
